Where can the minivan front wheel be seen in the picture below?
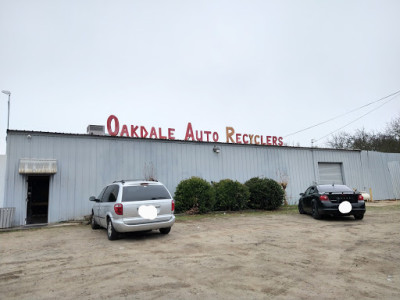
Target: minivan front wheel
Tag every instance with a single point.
(111, 233)
(93, 222)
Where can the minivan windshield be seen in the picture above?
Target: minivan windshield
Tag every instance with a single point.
(144, 192)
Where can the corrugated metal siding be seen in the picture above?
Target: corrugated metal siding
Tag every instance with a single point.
(377, 176)
(394, 170)
(87, 163)
(351, 165)
(3, 161)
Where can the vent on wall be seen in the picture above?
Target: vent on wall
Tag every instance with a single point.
(95, 130)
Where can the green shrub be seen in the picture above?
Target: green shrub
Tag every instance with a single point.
(231, 195)
(265, 193)
(195, 195)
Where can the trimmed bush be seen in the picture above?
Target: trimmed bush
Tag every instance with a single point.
(265, 193)
(231, 195)
(195, 195)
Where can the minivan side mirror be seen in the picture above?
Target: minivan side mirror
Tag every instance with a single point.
(93, 198)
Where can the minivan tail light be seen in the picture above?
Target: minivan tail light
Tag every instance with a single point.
(119, 209)
(360, 198)
(173, 205)
(323, 198)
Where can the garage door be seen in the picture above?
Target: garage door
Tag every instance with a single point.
(330, 173)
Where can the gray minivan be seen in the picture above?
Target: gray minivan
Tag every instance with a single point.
(133, 205)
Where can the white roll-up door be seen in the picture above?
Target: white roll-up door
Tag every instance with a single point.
(330, 173)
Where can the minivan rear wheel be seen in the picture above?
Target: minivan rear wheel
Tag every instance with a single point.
(111, 233)
(165, 230)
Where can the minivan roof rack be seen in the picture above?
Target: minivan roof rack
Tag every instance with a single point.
(141, 179)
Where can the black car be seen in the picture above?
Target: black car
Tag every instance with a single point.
(330, 199)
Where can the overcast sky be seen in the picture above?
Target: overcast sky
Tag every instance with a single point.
(261, 67)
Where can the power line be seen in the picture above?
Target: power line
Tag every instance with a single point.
(354, 120)
(315, 125)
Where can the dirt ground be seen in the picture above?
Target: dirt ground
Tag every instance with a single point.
(240, 256)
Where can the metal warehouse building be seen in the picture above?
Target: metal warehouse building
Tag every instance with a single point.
(50, 176)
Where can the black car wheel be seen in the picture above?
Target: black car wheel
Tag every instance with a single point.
(165, 230)
(315, 212)
(93, 222)
(111, 233)
(359, 217)
(300, 207)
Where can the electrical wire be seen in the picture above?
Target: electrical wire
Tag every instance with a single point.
(355, 119)
(315, 125)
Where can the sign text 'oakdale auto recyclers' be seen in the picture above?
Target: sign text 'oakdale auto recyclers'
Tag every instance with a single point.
(136, 131)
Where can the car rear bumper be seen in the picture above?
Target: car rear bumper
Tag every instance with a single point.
(333, 209)
(120, 226)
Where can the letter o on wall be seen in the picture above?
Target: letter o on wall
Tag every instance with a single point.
(116, 125)
(215, 137)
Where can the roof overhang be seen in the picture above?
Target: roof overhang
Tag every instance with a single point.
(37, 166)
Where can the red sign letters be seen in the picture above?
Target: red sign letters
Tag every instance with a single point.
(135, 131)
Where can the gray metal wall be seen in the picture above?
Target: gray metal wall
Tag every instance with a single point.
(3, 160)
(87, 163)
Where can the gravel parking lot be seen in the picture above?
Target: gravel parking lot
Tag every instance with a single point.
(240, 256)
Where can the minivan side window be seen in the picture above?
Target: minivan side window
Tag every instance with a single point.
(101, 193)
(113, 194)
(106, 194)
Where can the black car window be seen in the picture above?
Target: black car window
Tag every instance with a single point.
(312, 190)
(144, 192)
(308, 191)
(334, 189)
(113, 193)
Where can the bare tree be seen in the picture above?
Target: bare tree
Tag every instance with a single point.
(283, 181)
(388, 141)
(393, 128)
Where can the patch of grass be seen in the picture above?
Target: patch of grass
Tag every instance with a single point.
(283, 210)
(288, 209)
(385, 207)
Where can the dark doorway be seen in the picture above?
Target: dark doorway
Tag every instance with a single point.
(37, 199)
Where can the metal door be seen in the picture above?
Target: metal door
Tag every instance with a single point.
(37, 200)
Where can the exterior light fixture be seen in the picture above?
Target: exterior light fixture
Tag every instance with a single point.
(216, 149)
(8, 118)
